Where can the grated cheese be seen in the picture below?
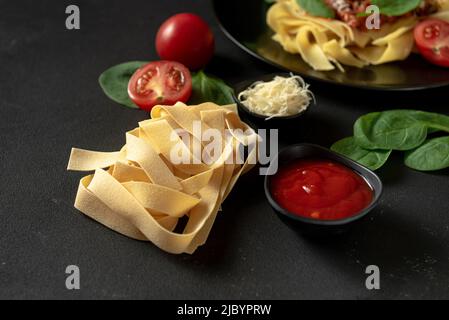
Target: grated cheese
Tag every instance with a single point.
(280, 97)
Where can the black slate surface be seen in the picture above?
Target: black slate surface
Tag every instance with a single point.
(50, 101)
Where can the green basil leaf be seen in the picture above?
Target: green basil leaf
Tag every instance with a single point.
(317, 8)
(432, 155)
(434, 121)
(376, 134)
(114, 82)
(363, 14)
(207, 88)
(396, 7)
(372, 159)
(390, 130)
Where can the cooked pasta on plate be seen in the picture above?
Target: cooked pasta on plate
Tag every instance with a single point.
(329, 34)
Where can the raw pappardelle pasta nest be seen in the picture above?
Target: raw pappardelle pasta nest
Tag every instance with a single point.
(139, 192)
(328, 43)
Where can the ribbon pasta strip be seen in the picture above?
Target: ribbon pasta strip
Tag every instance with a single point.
(325, 43)
(141, 193)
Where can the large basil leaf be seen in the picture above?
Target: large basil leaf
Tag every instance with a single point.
(432, 155)
(435, 121)
(317, 8)
(207, 88)
(396, 7)
(373, 159)
(405, 130)
(390, 130)
(114, 82)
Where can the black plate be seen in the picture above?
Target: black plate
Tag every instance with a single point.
(243, 21)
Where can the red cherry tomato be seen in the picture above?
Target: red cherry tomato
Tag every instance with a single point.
(185, 38)
(160, 82)
(432, 40)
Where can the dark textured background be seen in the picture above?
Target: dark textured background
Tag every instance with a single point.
(50, 101)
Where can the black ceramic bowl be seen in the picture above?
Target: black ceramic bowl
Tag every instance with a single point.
(320, 227)
(261, 120)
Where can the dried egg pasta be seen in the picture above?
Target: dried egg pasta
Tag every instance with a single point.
(140, 193)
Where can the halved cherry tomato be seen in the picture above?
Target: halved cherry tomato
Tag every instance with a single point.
(432, 40)
(160, 82)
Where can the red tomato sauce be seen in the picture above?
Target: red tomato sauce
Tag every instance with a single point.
(321, 190)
